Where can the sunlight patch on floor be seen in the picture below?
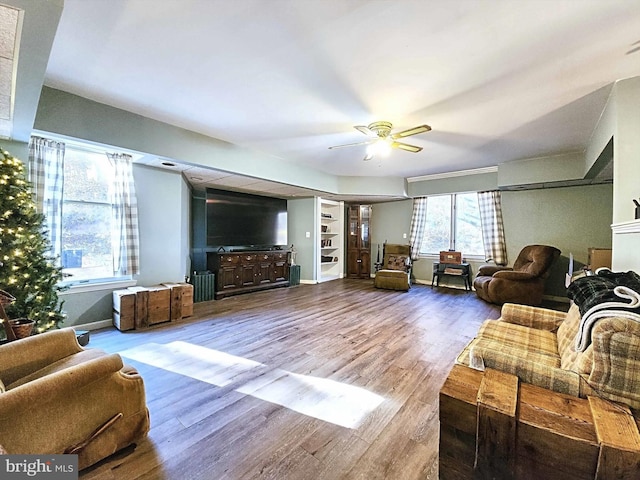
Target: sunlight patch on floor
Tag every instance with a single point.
(201, 363)
(321, 398)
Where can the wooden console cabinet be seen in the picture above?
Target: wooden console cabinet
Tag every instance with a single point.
(242, 272)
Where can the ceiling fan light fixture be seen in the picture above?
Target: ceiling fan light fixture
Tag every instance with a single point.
(381, 147)
(382, 141)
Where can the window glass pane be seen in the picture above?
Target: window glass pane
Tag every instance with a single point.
(437, 232)
(365, 211)
(86, 241)
(86, 216)
(468, 235)
(87, 176)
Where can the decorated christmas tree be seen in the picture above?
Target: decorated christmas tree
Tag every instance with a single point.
(27, 270)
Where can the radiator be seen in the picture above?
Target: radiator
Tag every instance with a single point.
(203, 287)
(294, 275)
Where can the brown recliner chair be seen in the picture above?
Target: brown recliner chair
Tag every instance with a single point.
(57, 397)
(523, 284)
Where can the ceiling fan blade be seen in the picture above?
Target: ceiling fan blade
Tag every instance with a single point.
(411, 131)
(368, 157)
(406, 146)
(352, 144)
(365, 130)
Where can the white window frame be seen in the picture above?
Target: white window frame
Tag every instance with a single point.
(99, 283)
(452, 228)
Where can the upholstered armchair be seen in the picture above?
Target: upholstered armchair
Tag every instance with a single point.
(523, 283)
(395, 271)
(56, 397)
(540, 347)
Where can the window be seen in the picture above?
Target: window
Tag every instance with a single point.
(86, 250)
(453, 223)
(88, 200)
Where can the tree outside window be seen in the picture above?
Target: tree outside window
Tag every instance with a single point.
(453, 223)
(86, 216)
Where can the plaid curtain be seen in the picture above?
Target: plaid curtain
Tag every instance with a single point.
(125, 237)
(495, 247)
(418, 223)
(46, 175)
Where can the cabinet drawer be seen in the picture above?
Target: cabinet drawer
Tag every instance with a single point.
(280, 256)
(229, 259)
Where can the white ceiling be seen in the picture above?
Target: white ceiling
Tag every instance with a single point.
(497, 80)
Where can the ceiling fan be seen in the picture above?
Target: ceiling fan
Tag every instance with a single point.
(383, 140)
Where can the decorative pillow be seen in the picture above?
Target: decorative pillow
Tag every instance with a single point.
(397, 262)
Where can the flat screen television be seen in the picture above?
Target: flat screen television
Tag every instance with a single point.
(243, 221)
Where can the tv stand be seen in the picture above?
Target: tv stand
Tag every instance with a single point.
(248, 271)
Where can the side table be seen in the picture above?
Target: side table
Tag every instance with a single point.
(453, 269)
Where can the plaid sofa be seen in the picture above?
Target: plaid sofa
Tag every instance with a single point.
(539, 346)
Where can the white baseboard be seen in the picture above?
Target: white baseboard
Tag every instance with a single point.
(429, 283)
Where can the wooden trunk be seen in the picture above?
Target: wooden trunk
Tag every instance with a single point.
(159, 304)
(181, 300)
(493, 426)
(142, 306)
(124, 309)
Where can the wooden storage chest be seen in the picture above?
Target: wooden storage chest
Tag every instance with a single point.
(181, 300)
(493, 426)
(142, 306)
(448, 256)
(159, 309)
(124, 309)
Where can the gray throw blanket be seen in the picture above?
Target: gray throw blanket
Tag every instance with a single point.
(606, 294)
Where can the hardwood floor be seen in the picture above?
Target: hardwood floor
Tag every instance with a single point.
(331, 381)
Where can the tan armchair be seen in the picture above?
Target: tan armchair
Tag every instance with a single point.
(56, 397)
(523, 284)
(395, 271)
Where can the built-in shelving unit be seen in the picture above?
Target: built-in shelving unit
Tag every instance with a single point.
(330, 240)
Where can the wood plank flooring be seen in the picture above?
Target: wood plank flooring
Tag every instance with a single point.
(331, 381)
